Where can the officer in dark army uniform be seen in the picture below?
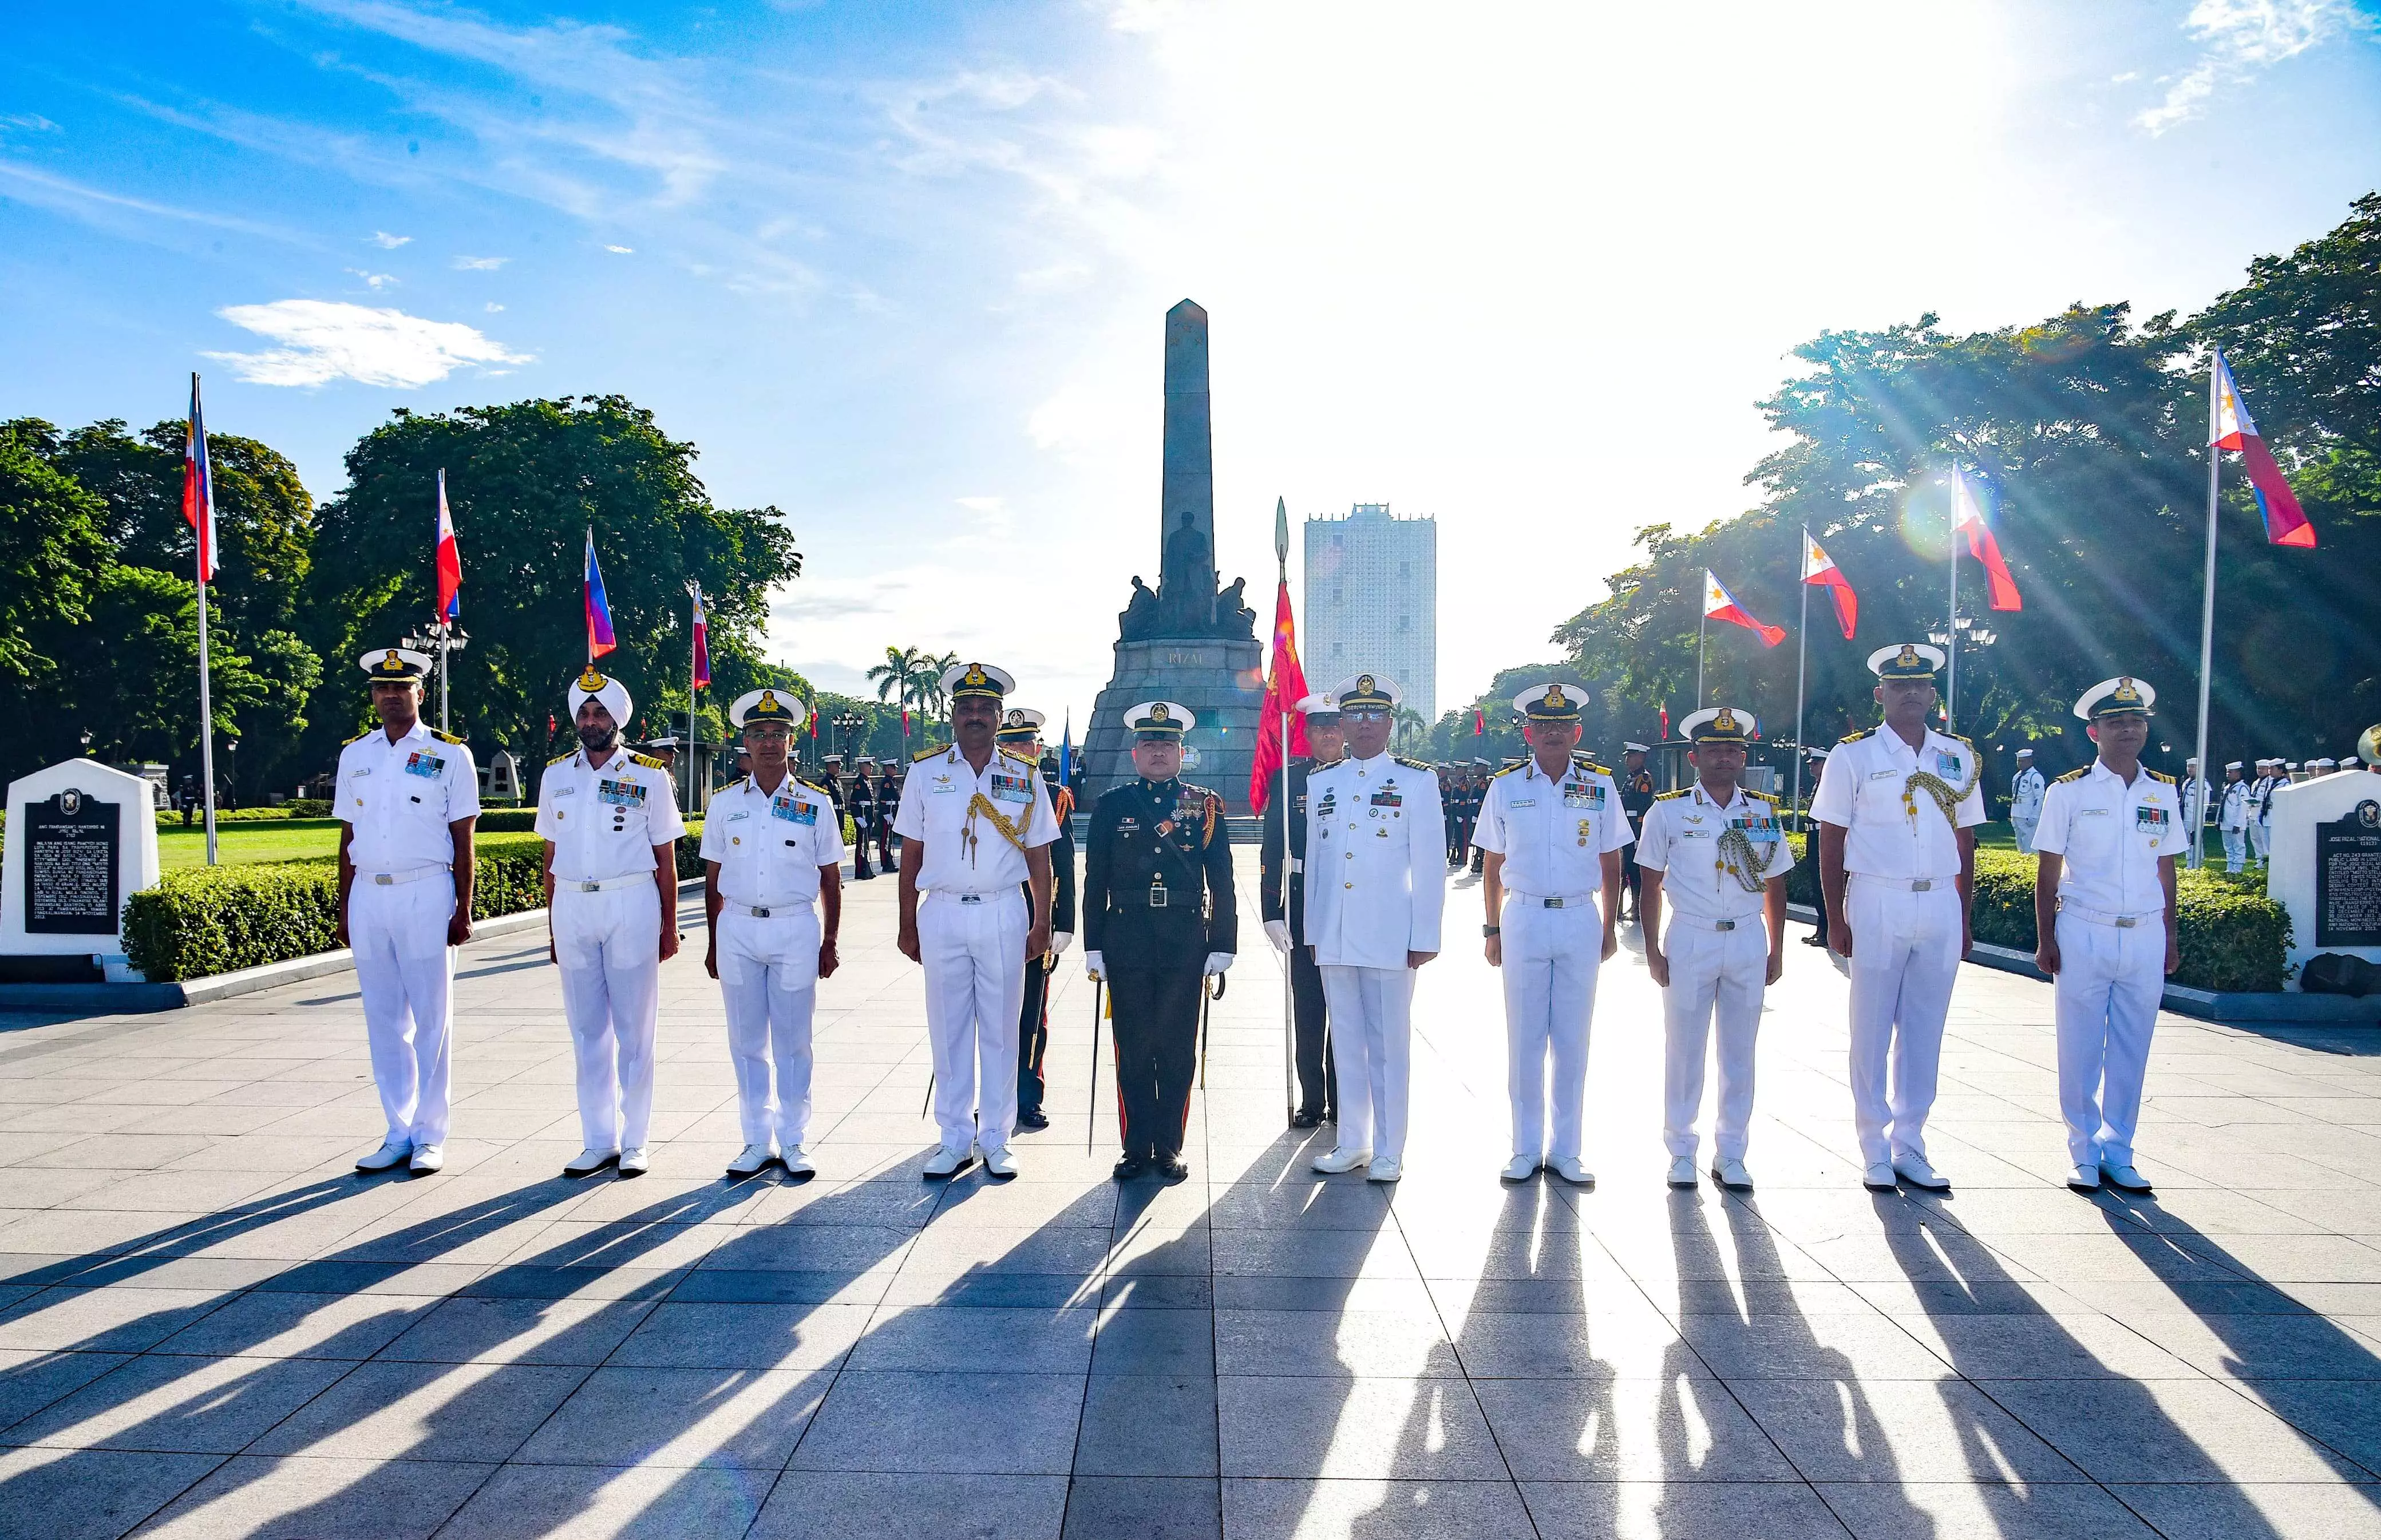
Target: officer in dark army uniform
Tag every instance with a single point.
(862, 806)
(1636, 797)
(1021, 733)
(1157, 854)
(1285, 916)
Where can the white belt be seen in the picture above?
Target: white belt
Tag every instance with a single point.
(390, 879)
(953, 895)
(1906, 885)
(2122, 921)
(1695, 924)
(603, 884)
(763, 912)
(1554, 900)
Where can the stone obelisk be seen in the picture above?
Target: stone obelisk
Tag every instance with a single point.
(1184, 641)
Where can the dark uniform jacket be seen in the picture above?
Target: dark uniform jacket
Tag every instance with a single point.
(1271, 902)
(862, 807)
(1062, 861)
(888, 799)
(1156, 849)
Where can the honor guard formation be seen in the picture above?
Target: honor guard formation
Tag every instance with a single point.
(1356, 854)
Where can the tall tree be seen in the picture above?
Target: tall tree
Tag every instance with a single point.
(51, 549)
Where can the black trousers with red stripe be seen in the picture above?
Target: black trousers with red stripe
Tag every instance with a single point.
(1033, 1035)
(1155, 1028)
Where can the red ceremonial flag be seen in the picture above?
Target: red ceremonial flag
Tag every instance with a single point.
(1720, 605)
(701, 643)
(1666, 721)
(1819, 568)
(1968, 519)
(450, 559)
(600, 639)
(199, 488)
(1479, 723)
(1285, 686)
(2286, 522)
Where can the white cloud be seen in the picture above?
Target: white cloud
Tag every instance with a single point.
(480, 265)
(32, 120)
(2240, 37)
(622, 251)
(388, 242)
(492, 306)
(324, 340)
(373, 281)
(982, 505)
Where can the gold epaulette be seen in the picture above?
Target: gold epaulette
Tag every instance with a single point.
(2079, 774)
(818, 787)
(445, 738)
(1020, 759)
(1415, 764)
(1855, 738)
(369, 731)
(1769, 797)
(733, 784)
(1511, 768)
(559, 759)
(1589, 765)
(929, 753)
(648, 761)
(2155, 774)
(1672, 796)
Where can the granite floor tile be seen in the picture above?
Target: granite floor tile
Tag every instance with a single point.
(906, 1421)
(1701, 1510)
(821, 1505)
(90, 1494)
(606, 1502)
(1380, 1429)
(747, 1419)
(464, 1412)
(1422, 1509)
(320, 1499)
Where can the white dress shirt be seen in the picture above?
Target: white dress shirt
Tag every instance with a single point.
(1892, 829)
(966, 852)
(604, 822)
(1553, 833)
(2232, 813)
(2025, 793)
(770, 846)
(1376, 862)
(400, 796)
(1681, 840)
(2110, 836)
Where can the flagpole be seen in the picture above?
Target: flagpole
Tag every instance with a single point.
(1281, 708)
(694, 610)
(206, 699)
(2194, 857)
(1801, 656)
(1701, 623)
(1951, 626)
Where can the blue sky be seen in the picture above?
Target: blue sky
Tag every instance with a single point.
(901, 271)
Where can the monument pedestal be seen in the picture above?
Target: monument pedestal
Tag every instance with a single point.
(2326, 867)
(1220, 681)
(82, 839)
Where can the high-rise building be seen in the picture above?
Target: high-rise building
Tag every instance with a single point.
(1371, 601)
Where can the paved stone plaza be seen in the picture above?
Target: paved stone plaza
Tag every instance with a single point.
(212, 1327)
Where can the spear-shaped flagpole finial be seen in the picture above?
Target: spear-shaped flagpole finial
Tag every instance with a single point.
(1281, 531)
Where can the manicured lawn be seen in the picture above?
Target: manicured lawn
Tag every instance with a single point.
(297, 839)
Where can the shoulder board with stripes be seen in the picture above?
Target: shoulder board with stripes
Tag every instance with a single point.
(1415, 764)
(929, 753)
(648, 761)
(2079, 774)
(1855, 738)
(2154, 776)
(559, 759)
(1761, 795)
(369, 731)
(1672, 796)
(445, 738)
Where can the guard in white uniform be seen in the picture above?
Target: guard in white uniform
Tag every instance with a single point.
(2026, 801)
(1375, 869)
(1896, 808)
(2104, 911)
(408, 798)
(2196, 802)
(770, 851)
(611, 825)
(2261, 795)
(2232, 818)
(975, 827)
(1553, 829)
(1718, 856)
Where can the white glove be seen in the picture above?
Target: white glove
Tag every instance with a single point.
(1277, 932)
(1060, 941)
(1216, 963)
(1094, 966)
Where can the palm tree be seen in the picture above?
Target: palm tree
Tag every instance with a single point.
(931, 682)
(900, 682)
(1407, 727)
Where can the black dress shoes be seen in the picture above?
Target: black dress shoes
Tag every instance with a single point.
(1127, 1169)
(1302, 1118)
(1036, 1118)
(1170, 1168)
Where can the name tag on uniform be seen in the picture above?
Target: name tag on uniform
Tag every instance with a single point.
(1518, 803)
(1883, 775)
(621, 793)
(2092, 813)
(1011, 788)
(420, 764)
(365, 771)
(795, 813)
(1694, 833)
(736, 818)
(942, 783)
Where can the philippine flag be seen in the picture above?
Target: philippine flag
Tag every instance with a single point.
(450, 559)
(199, 488)
(2286, 522)
(1720, 605)
(702, 642)
(1819, 568)
(1968, 519)
(600, 640)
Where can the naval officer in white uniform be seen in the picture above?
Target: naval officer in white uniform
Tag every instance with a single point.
(976, 827)
(2103, 914)
(2026, 801)
(611, 825)
(408, 800)
(1718, 855)
(1897, 807)
(1375, 869)
(1553, 829)
(772, 851)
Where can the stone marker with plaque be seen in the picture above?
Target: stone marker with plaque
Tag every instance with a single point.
(2326, 865)
(82, 839)
(2348, 877)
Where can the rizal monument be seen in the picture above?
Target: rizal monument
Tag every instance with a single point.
(1190, 640)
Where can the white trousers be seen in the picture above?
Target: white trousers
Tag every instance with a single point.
(609, 947)
(2236, 849)
(2109, 985)
(405, 972)
(2261, 840)
(768, 976)
(1372, 1039)
(974, 956)
(1905, 959)
(1722, 971)
(2023, 829)
(1551, 957)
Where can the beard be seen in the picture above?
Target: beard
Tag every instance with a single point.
(599, 737)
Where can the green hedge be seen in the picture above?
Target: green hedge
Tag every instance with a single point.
(508, 820)
(299, 807)
(2233, 937)
(202, 921)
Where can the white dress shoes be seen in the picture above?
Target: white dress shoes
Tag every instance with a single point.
(1732, 1175)
(1571, 1169)
(1520, 1169)
(391, 1154)
(1384, 1170)
(586, 1163)
(2084, 1178)
(1682, 1171)
(998, 1162)
(1879, 1177)
(2124, 1178)
(947, 1162)
(1336, 1161)
(428, 1158)
(795, 1162)
(751, 1160)
(1914, 1170)
(636, 1162)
